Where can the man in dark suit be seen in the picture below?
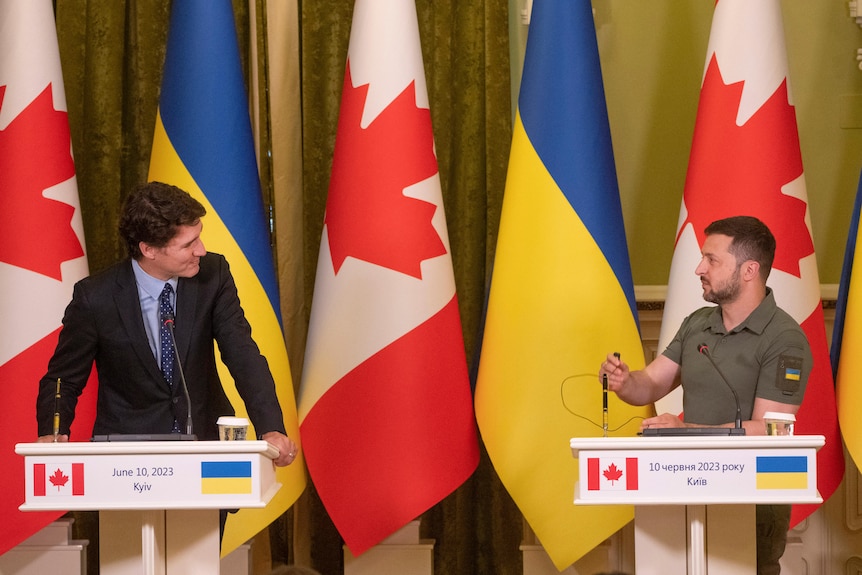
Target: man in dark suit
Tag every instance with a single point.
(114, 319)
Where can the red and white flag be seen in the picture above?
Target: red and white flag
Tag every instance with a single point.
(746, 160)
(41, 240)
(58, 480)
(385, 406)
(612, 474)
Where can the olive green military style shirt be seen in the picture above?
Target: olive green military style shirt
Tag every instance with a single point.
(766, 356)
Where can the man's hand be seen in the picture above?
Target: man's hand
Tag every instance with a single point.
(287, 449)
(50, 439)
(663, 420)
(616, 371)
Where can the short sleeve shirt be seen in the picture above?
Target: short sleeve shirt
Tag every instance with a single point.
(766, 356)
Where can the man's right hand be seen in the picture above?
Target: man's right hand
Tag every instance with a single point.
(50, 439)
(616, 370)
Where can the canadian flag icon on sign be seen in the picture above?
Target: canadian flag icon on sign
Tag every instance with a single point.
(58, 479)
(612, 473)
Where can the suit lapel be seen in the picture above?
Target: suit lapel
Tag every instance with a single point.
(128, 304)
(187, 298)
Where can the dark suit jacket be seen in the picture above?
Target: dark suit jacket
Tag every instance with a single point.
(103, 322)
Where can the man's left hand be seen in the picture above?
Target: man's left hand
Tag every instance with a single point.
(287, 449)
(662, 420)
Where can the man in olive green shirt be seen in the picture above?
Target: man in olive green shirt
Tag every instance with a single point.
(765, 357)
(758, 347)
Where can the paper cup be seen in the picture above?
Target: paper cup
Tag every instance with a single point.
(232, 428)
(779, 423)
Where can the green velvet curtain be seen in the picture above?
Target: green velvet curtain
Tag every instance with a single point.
(112, 53)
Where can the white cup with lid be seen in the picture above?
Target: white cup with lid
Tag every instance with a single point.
(778, 423)
(232, 428)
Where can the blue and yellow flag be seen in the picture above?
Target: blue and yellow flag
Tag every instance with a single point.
(847, 339)
(226, 477)
(203, 144)
(781, 472)
(561, 295)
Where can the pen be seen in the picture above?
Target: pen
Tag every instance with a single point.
(605, 400)
(605, 405)
(57, 412)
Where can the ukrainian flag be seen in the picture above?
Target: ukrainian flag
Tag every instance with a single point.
(225, 477)
(847, 339)
(782, 472)
(203, 144)
(561, 295)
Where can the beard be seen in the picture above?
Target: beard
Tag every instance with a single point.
(726, 292)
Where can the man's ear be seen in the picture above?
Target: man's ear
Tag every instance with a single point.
(147, 251)
(750, 270)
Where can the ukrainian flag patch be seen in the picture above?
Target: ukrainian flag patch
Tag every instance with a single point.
(789, 376)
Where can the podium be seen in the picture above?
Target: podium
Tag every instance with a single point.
(158, 501)
(694, 497)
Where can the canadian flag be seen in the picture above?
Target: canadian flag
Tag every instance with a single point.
(746, 160)
(612, 474)
(385, 406)
(58, 479)
(42, 250)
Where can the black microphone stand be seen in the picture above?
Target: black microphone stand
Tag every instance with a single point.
(169, 323)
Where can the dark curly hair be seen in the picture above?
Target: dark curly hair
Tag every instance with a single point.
(752, 240)
(152, 213)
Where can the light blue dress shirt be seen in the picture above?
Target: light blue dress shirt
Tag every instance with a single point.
(149, 290)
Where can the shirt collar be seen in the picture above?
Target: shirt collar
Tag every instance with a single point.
(148, 284)
(756, 320)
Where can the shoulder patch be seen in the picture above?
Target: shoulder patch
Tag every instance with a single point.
(789, 376)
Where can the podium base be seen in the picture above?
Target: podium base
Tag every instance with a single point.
(170, 542)
(695, 540)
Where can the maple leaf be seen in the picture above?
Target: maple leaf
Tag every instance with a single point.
(367, 214)
(612, 473)
(35, 154)
(59, 479)
(739, 170)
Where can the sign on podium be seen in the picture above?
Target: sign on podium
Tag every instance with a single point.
(170, 491)
(694, 496)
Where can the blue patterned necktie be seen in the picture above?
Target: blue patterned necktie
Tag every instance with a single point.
(166, 313)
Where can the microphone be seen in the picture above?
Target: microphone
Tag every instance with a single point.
(738, 429)
(168, 321)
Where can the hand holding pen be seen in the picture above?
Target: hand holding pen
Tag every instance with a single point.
(615, 370)
(57, 412)
(605, 400)
(55, 437)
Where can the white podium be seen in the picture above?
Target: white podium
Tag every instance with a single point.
(694, 497)
(158, 501)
